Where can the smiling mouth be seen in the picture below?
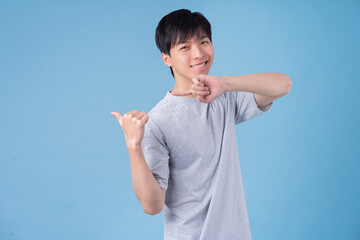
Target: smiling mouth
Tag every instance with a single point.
(199, 65)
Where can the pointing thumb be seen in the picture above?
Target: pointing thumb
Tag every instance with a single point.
(118, 116)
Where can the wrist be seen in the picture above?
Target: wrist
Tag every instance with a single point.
(133, 146)
(226, 85)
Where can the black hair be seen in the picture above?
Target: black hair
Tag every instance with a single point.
(179, 26)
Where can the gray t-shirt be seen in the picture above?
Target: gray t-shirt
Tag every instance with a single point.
(191, 149)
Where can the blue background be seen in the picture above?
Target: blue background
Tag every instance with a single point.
(65, 65)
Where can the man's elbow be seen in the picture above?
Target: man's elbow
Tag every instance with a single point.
(154, 206)
(153, 211)
(287, 84)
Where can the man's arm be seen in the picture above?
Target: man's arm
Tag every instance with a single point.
(147, 189)
(266, 86)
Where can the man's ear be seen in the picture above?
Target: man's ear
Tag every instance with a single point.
(167, 59)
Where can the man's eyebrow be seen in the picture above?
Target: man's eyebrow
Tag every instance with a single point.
(185, 41)
(181, 42)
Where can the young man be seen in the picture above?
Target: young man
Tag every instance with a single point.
(183, 153)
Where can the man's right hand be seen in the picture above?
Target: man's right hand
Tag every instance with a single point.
(133, 125)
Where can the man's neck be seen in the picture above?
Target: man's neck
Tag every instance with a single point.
(182, 85)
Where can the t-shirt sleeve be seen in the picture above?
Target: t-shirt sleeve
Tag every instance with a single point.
(156, 153)
(246, 107)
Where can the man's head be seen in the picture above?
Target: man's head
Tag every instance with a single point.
(184, 40)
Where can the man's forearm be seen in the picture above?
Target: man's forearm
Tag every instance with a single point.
(267, 84)
(146, 188)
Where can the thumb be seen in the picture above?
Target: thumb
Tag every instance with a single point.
(118, 116)
(185, 93)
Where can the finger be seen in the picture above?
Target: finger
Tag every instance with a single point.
(132, 113)
(200, 80)
(201, 99)
(202, 93)
(197, 82)
(195, 87)
(118, 116)
(144, 119)
(184, 93)
(140, 115)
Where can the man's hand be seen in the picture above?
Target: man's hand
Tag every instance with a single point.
(133, 125)
(205, 87)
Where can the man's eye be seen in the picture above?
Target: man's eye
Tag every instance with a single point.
(205, 42)
(183, 47)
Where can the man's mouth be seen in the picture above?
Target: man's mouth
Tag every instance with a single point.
(199, 65)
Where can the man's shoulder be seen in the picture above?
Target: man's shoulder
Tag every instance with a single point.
(158, 114)
(158, 110)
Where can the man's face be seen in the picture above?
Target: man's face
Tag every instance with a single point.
(190, 58)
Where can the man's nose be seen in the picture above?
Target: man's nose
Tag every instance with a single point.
(198, 52)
